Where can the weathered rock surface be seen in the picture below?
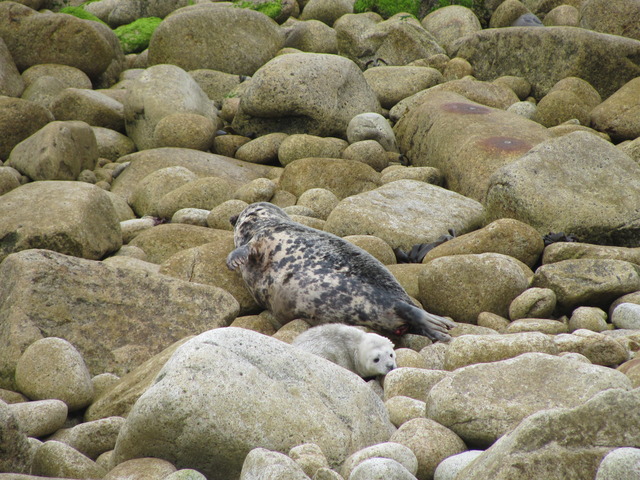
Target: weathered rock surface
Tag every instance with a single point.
(481, 410)
(141, 308)
(544, 55)
(309, 93)
(562, 442)
(279, 386)
(73, 218)
(578, 183)
(405, 213)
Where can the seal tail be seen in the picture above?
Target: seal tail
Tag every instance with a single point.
(424, 323)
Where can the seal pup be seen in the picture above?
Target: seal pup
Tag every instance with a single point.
(297, 271)
(365, 354)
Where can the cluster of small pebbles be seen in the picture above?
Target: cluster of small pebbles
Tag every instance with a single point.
(129, 350)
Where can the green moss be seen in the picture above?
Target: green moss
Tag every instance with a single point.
(135, 36)
(387, 8)
(447, 3)
(80, 13)
(270, 9)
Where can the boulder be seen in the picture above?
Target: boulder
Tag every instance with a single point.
(47, 294)
(261, 463)
(86, 45)
(369, 40)
(562, 442)
(158, 92)
(449, 23)
(41, 417)
(217, 37)
(342, 177)
(466, 141)
(617, 18)
(16, 450)
(480, 410)
(577, 183)
(505, 236)
(618, 115)
(556, 252)
(19, 119)
(392, 84)
(94, 108)
(73, 218)
(463, 286)
(289, 397)
(545, 55)
(58, 151)
(595, 282)
(309, 93)
(405, 213)
(11, 83)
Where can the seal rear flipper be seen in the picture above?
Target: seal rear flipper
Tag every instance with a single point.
(424, 323)
(238, 257)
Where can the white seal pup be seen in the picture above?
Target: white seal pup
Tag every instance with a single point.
(365, 354)
(297, 271)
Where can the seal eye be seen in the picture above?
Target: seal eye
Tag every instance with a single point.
(376, 360)
(233, 220)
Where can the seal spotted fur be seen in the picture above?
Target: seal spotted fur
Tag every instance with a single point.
(365, 354)
(297, 271)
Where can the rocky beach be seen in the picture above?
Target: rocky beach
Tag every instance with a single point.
(487, 152)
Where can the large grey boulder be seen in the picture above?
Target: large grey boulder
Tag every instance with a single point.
(74, 218)
(577, 183)
(218, 37)
(474, 404)
(545, 55)
(158, 92)
(311, 93)
(115, 317)
(228, 391)
(404, 213)
(563, 442)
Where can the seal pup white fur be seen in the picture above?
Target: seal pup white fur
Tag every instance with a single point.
(365, 354)
(297, 271)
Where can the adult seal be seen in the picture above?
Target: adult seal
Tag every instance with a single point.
(299, 272)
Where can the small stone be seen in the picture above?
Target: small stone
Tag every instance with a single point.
(550, 327)
(449, 468)
(53, 368)
(434, 355)
(390, 450)
(320, 200)
(626, 315)
(309, 457)
(92, 438)
(372, 126)
(492, 321)
(151, 468)
(588, 318)
(598, 348)
(131, 228)
(185, 474)
(377, 247)
(369, 152)
(620, 464)
(380, 469)
(191, 216)
(533, 303)
(258, 190)
(103, 382)
(405, 357)
(411, 382)
(262, 463)
(261, 150)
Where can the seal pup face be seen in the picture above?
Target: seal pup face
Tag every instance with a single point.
(255, 217)
(375, 356)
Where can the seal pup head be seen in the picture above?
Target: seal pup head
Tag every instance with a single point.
(375, 356)
(255, 217)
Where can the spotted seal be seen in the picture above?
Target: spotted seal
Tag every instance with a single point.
(365, 354)
(299, 272)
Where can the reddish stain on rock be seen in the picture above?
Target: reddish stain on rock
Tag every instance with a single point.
(465, 108)
(505, 144)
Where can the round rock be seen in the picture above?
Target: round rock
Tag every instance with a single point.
(53, 368)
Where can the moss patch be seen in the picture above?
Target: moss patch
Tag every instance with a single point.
(80, 13)
(135, 36)
(387, 8)
(270, 9)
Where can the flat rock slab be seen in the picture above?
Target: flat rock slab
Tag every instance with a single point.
(544, 56)
(117, 318)
(404, 213)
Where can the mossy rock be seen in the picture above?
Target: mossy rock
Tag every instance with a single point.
(387, 8)
(270, 9)
(135, 36)
(80, 13)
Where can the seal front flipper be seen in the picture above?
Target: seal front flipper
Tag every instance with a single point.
(424, 323)
(238, 257)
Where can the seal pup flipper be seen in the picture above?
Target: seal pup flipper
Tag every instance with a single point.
(238, 257)
(424, 323)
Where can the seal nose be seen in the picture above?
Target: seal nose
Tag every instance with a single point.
(390, 366)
